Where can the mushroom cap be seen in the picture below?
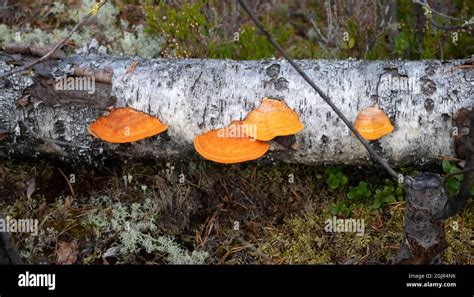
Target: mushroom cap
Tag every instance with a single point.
(273, 118)
(229, 145)
(372, 123)
(126, 124)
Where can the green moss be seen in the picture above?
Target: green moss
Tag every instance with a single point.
(302, 239)
(184, 29)
(459, 237)
(250, 45)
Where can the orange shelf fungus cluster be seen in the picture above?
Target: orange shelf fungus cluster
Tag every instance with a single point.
(248, 140)
(372, 123)
(241, 141)
(274, 118)
(126, 124)
(230, 145)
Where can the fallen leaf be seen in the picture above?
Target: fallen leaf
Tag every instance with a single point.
(66, 253)
(31, 187)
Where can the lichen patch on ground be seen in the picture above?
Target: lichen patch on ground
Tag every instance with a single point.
(199, 212)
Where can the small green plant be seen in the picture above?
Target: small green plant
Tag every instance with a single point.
(455, 181)
(341, 208)
(387, 193)
(361, 191)
(336, 179)
(453, 184)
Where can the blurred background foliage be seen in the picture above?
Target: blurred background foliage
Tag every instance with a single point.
(309, 29)
(321, 29)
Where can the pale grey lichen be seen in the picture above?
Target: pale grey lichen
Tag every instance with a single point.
(177, 255)
(134, 226)
(119, 38)
(137, 42)
(34, 245)
(6, 34)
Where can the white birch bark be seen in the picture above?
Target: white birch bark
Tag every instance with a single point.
(194, 96)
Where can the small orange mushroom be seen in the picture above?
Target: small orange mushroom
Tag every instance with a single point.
(273, 118)
(372, 123)
(230, 145)
(126, 124)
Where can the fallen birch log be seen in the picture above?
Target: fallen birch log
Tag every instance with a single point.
(195, 96)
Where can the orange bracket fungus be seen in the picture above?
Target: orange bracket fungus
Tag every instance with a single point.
(229, 145)
(372, 123)
(273, 118)
(126, 124)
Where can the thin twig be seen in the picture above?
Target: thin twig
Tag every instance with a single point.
(330, 28)
(450, 28)
(457, 173)
(71, 189)
(319, 32)
(384, 164)
(252, 247)
(59, 44)
(427, 6)
(448, 158)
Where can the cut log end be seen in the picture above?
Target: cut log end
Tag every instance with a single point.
(424, 239)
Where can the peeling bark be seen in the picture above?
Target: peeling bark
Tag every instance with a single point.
(194, 96)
